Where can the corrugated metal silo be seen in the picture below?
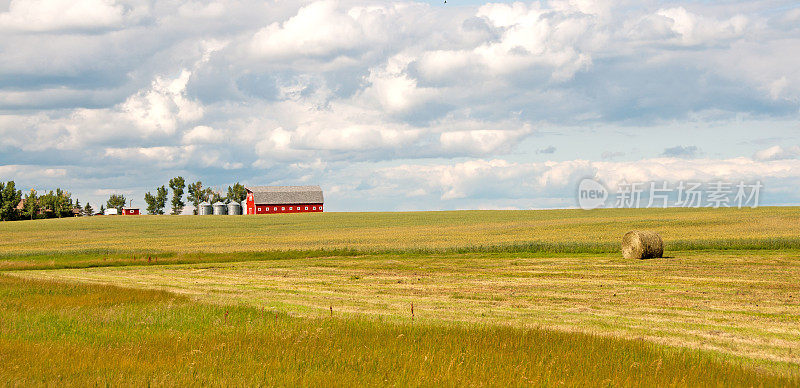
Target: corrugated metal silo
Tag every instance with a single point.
(220, 209)
(204, 209)
(234, 209)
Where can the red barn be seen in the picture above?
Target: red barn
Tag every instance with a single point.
(128, 211)
(283, 199)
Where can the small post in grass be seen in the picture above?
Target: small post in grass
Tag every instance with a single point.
(412, 311)
(331, 310)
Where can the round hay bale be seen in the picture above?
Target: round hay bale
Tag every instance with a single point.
(642, 244)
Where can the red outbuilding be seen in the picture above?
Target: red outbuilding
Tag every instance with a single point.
(283, 199)
(129, 211)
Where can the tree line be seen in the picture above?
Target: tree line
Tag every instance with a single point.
(195, 194)
(54, 204)
(59, 203)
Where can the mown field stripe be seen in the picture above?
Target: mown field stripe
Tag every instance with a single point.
(59, 333)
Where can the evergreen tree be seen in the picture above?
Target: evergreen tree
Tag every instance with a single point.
(102, 209)
(87, 210)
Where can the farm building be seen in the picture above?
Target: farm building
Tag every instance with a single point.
(283, 199)
(130, 211)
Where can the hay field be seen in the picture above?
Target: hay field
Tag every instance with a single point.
(56, 334)
(724, 302)
(80, 242)
(737, 304)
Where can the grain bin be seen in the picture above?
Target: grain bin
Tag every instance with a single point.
(234, 209)
(204, 209)
(220, 209)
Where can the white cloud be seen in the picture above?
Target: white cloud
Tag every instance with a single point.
(561, 41)
(300, 91)
(162, 107)
(55, 15)
(319, 29)
(21, 172)
(203, 134)
(160, 156)
(778, 153)
(681, 27)
(502, 179)
(393, 88)
(482, 141)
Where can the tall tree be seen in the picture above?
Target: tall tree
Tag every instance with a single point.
(196, 194)
(47, 202)
(77, 206)
(32, 206)
(116, 201)
(177, 185)
(237, 193)
(102, 209)
(152, 205)
(11, 197)
(60, 202)
(161, 199)
(87, 210)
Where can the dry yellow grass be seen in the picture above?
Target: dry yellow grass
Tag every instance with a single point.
(737, 303)
(55, 334)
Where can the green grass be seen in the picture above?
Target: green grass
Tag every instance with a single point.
(56, 333)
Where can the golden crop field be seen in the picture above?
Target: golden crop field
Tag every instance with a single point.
(512, 297)
(87, 241)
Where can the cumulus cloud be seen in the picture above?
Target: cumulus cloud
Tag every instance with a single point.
(778, 153)
(692, 29)
(163, 106)
(202, 134)
(59, 15)
(527, 182)
(305, 91)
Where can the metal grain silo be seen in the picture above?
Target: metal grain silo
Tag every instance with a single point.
(234, 209)
(220, 209)
(204, 209)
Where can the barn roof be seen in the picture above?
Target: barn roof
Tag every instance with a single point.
(285, 195)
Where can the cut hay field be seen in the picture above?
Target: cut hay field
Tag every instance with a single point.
(500, 298)
(55, 334)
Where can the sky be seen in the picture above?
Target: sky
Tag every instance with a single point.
(399, 106)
